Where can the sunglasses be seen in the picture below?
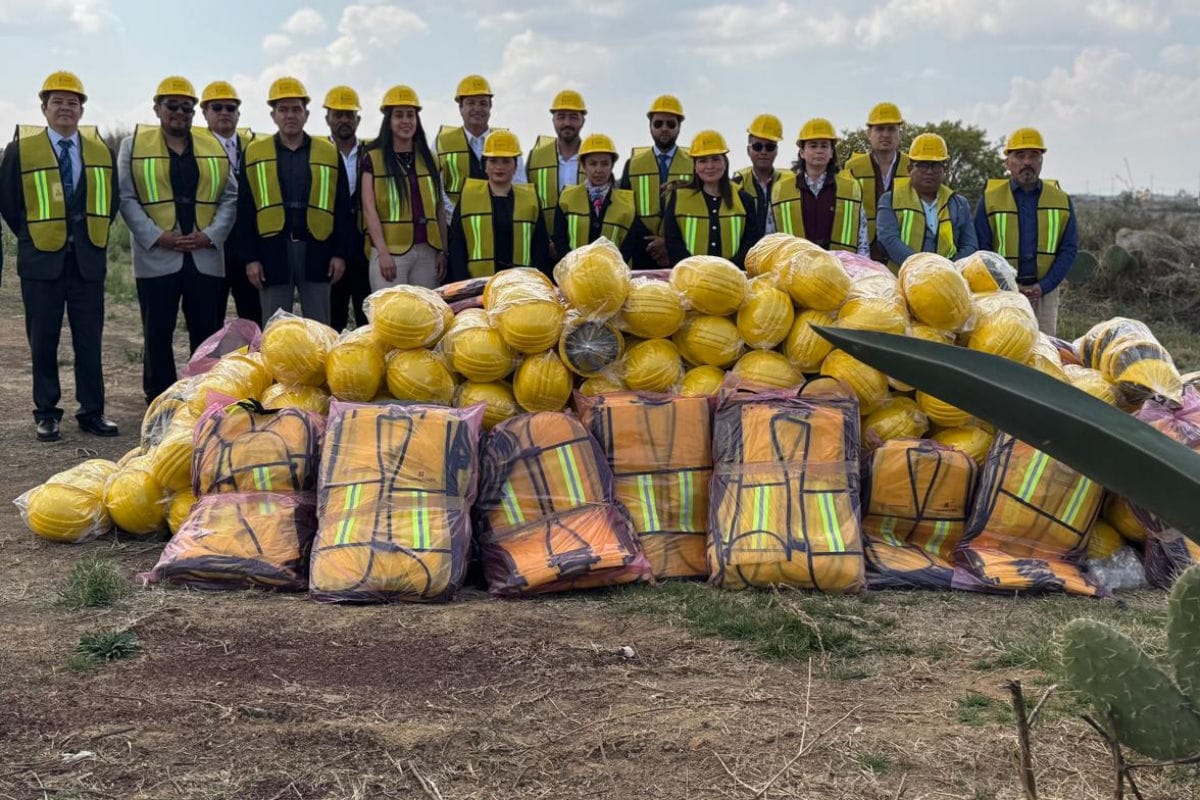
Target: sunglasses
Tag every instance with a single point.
(665, 123)
(174, 107)
(219, 107)
(759, 147)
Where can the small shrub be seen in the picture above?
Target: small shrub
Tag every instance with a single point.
(108, 645)
(93, 582)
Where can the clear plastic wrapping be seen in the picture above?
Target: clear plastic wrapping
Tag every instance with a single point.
(1047, 358)
(897, 417)
(546, 516)
(237, 376)
(985, 271)
(710, 284)
(420, 376)
(163, 409)
(702, 381)
(1005, 325)
(304, 398)
(594, 279)
(407, 317)
(874, 303)
(542, 382)
(133, 498)
(652, 365)
(804, 347)
(766, 316)
(1091, 381)
(171, 459)
(816, 280)
(869, 385)
(525, 308)
(247, 448)
(1128, 355)
(355, 367)
(397, 483)
(497, 398)
(295, 348)
(475, 348)
(653, 309)
(766, 369)
(69, 506)
(936, 293)
(771, 253)
(236, 336)
(971, 439)
(708, 339)
(589, 347)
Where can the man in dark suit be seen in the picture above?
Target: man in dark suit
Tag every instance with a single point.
(58, 194)
(348, 295)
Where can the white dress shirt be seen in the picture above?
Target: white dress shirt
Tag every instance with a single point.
(76, 152)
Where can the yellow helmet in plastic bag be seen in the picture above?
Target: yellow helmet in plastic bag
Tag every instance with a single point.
(712, 285)
(1091, 381)
(295, 349)
(767, 368)
(69, 507)
(239, 376)
(971, 439)
(816, 279)
(420, 376)
(898, 417)
(587, 348)
(762, 250)
(496, 395)
(766, 317)
(652, 366)
(594, 279)
(1046, 358)
(804, 347)
(1103, 540)
(1119, 513)
(355, 366)
(524, 307)
(941, 413)
(708, 339)
(868, 384)
(652, 310)
(987, 272)
(702, 381)
(936, 293)
(874, 304)
(179, 508)
(171, 460)
(542, 383)
(303, 397)
(601, 384)
(407, 317)
(476, 349)
(134, 498)
(1004, 326)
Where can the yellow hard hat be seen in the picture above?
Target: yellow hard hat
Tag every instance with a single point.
(928, 147)
(708, 143)
(472, 86)
(287, 89)
(568, 100)
(175, 85)
(885, 114)
(817, 128)
(501, 144)
(1024, 139)
(598, 143)
(666, 104)
(62, 81)
(766, 126)
(219, 90)
(341, 98)
(400, 96)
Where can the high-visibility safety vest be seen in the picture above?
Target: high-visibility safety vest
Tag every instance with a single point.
(542, 172)
(647, 189)
(910, 216)
(745, 176)
(396, 212)
(150, 165)
(454, 158)
(576, 206)
(861, 168)
(691, 214)
(475, 208)
(1053, 213)
(262, 171)
(786, 206)
(45, 202)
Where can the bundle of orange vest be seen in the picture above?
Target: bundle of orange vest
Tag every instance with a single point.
(546, 517)
(396, 489)
(254, 472)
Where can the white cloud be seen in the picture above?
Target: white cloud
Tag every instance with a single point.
(275, 42)
(46, 16)
(1181, 55)
(306, 21)
(734, 33)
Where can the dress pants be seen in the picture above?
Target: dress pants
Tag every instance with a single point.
(84, 303)
(314, 296)
(1046, 310)
(348, 294)
(417, 267)
(160, 297)
(245, 297)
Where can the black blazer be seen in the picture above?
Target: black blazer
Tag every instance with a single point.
(634, 240)
(33, 263)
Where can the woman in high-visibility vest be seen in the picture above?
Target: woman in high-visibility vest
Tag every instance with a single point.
(596, 207)
(711, 216)
(819, 204)
(402, 214)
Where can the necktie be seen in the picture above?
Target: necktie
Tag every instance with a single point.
(231, 149)
(66, 171)
(664, 164)
(597, 205)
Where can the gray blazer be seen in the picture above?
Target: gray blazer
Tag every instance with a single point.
(150, 261)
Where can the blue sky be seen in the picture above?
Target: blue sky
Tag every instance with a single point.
(1105, 80)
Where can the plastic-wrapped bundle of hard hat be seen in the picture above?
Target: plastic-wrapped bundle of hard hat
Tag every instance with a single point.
(804, 347)
(766, 316)
(708, 339)
(936, 293)
(69, 507)
(897, 417)
(496, 396)
(1005, 325)
(986, 271)
(1091, 381)
(971, 439)
(295, 349)
(652, 365)
(816, 279)
(407, 317)
(767, 369)
(869, 385)
(594, 279)
(475, 348)
(171, 459)
(710, 284)
(237, 376)
(134, 498)
(420, 376)
(874, 303)
(1129, 356)
(604, 383)
(771, 252)
(525, 308)
(704, 380)
(653, 309)
(589, 347)
(293, 395)
(163, 410)
(355, 365)
(1046, 358)
(542, 382)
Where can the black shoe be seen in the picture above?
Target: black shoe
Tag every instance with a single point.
(98, 426)
(47, 430)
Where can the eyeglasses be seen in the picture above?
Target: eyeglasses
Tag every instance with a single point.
(928, 166)
(669, 124)
(759, 147)
(219, 107)
(175, 107)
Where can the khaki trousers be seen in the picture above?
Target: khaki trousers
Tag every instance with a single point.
(417, 267)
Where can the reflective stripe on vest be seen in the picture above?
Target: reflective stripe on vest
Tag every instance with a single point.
(541, 170)
(262, 171)
(910, 216)
(1053, 214)
(454, 156)
(787, 208)
(861, 168)
(150, 164)
(396, 213)
(576, 207)
(647, 190)
(691, 214)
(476, 214)
(42, 190)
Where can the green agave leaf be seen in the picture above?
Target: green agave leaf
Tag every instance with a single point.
(1105, 444)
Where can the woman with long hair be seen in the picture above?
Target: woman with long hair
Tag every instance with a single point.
(820, 205)
(405, 223)
(710, 216)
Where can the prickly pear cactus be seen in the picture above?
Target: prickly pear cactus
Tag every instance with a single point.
(1148, 711)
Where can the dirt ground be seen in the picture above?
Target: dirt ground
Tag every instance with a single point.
(255, 696)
